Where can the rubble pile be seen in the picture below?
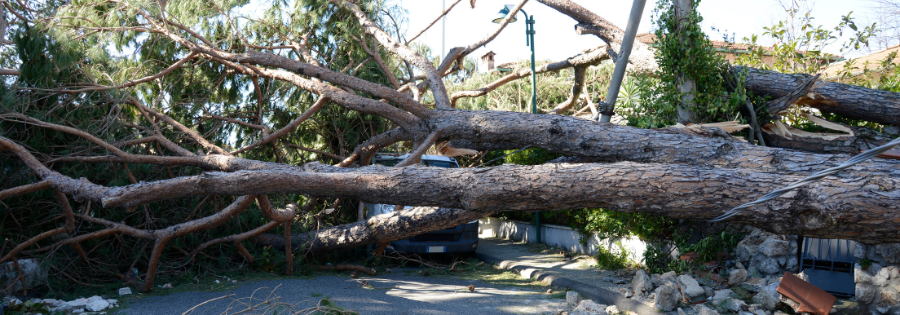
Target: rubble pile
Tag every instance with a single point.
(77, 306)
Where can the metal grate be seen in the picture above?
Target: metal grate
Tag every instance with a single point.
(829, 265)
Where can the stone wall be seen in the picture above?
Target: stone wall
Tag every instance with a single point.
(878, 285)
(768, 255)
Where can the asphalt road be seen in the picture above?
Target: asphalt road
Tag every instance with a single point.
(393, 293)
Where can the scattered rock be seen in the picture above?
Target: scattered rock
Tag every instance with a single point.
(590, 307)
(612, 309)
(681, 311)
(736, 276)
(754, 284)
(667, 297)
(689, 286)
(641, 283)
(32, 274)
(757, 309)
(668, 276)
(124, 291)
(572, 299)
(96, 304)
(721, 295)
(704, 310)
(766, 299)
(708, 291)
(734, 305)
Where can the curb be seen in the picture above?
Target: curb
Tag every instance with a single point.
(596, 294)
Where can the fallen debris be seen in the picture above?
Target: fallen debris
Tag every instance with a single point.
(809, 297)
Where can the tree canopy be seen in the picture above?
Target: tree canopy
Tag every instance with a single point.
(153, 130)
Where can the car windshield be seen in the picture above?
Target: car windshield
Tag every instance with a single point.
(439, 163)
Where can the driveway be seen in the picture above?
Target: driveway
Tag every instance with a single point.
(393, 293)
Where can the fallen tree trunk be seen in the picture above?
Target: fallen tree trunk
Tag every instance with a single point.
(852, 101)
(378, 229)
(831, 208)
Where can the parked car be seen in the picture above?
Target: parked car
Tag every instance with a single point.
(462, 238)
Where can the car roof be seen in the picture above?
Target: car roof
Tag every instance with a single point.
(424, 157)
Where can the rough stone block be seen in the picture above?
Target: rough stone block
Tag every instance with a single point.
(865, 276)
(734, 305)
(890, 296)
(749, 246)
(859, 250)
(774, 247)
(591, 307)
(721, 295)
(572, 299)
(882, 277)
(736, 276)
(890, 252)
(689, 286)
(766, 300)
(641, 283)
(865, 293)
(124, 291)
(792, 264)
(769, 266)
(667, 297)
(703, 310)
(612, 310)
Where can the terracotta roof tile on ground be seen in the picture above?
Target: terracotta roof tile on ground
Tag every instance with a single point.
(811, 298)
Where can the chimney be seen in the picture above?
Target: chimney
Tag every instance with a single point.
(488, 60)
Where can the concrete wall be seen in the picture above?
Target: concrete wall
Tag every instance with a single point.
(557, 236)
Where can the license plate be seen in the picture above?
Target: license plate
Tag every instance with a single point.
(437, 249)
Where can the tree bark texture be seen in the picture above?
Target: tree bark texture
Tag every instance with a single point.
(852, 101)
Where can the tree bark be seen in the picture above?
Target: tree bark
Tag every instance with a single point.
(852, 101)
(829, 208)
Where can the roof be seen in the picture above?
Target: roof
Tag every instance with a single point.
(508, 65)
(649, 38)
(424, 157)
(874, 61)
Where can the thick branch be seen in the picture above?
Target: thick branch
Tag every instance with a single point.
(434, 79)
(577, 88)
(852, 101)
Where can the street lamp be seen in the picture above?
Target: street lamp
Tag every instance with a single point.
(529, 41)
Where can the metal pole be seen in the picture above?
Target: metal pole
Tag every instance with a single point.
(529, 33)
(637, 9)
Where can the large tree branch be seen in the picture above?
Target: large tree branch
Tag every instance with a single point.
(589, 23)
(434, 79)
(852, 101)
(829, 208)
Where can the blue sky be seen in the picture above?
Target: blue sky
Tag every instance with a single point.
(555, 36)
